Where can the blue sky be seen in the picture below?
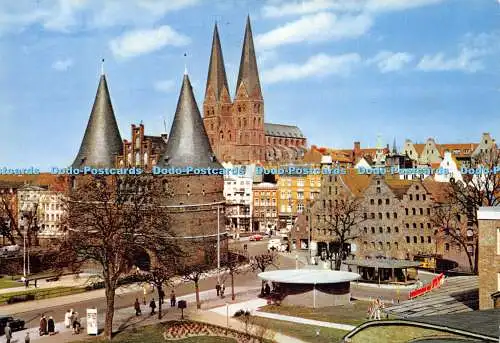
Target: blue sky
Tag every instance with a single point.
(342, 70)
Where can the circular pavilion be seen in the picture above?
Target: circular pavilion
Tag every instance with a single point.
(310, 287)
(385, 270)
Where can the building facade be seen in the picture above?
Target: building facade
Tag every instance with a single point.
(265, 200)
(141, 151)
(489, 256)
(236, 127)
(238, 197)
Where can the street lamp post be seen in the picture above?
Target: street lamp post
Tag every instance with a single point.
(218, 244)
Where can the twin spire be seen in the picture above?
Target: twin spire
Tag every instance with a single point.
(248, 74)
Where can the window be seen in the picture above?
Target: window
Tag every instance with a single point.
(417, 197)
(373, 245)
(373, 215)
(396, 229)
(388, 215)
(388, 245)
(372, 202)
(429, 239)
(422, 240)
(395, 215)
(365, 229)
(414, 211)
(378, 189)
(396, 245)
(388, 229)
(407, 239)
(380, 201)
(380, 246)
(380, 230)
(387, 201)
(406, 210)
(421, 211)
(373, 230)
(421, 225)
(411, 196)
(447, 246)
(415, 239)
(380, 215)
(428, 225)
(428, 211)
(407, 225)
(423, 197)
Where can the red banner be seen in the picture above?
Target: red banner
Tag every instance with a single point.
(435, 283)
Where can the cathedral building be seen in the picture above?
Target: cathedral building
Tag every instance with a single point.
(236, 127)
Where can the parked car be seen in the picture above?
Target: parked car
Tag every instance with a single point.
(15, 324)
(255, 238)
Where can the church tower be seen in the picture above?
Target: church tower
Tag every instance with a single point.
(217, 106)
(248, 105)
(101, 142)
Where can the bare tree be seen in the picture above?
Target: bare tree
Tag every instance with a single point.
(9, 227)
(194, 273)
(233, 265)
(109, 218)
(341, 218)
(456, 214)
(262, 262)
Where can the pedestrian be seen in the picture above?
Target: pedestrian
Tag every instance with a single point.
(67, 319)
(35, 283)
(76, 323)
(51, 326)
(43, 325)
(137, 307)
(371, 310)
(377, 309)
(8, 333)
(27, 338)
(152, 304)
(217, 288)
(222, 289)
(172, 299)
(161, 294)
(144, 294)
(267, 289)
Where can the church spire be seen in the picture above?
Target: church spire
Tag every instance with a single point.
(216, 71)
(188, 144)
(249, 73)
(102, 141)
(394, 147)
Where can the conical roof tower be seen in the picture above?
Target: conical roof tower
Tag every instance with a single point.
(188, 144)
(249, 73)
(217, 78)
(102, 141)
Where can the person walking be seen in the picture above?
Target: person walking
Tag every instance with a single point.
(76, 323)
(217, 288)
(43, 325)
(27, 338)
(378, 305)
(152, 304)
(144, 291)
(8, 333)
(172, 299)
(67, 319)
(222, 290)
(51, 326)
(137, 307)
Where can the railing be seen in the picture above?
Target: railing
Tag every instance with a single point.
(435, 283)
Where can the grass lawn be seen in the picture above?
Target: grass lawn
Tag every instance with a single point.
(396, 334)
(306, 333)
(7, 282)
(154, 334)
(352, 314)
(43, 293)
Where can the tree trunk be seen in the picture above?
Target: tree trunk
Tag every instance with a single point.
(160, 302)
(110, 311)
(476, 258)
(232, 286)
(197, 290)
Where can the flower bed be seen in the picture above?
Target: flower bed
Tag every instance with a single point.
(183, 329)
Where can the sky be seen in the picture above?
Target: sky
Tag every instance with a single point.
(341, 70)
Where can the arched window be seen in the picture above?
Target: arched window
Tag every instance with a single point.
(137, 159)
(254, 122)
(221, 136)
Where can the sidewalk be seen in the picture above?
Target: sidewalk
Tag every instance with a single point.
(125, 318)
(64, 281)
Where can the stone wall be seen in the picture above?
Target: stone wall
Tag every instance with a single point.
(489, 262)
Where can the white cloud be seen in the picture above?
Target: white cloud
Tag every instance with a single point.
(164, 86)
(318, 65)
(62, 65)
(318, 27)
(467, 61)
(67, 15)
(388, 61)
(287, 8)
(138, 42)
(267, 56)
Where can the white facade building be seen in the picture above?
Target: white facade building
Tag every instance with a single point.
(448, 164)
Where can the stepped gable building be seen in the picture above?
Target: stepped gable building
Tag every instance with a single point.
(141, 151)
(236, 128)
(197, 204)
(101, 142)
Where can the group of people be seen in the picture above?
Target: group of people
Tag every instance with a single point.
(220, 289)
(8, 334)
(72, 320)
(47, 326)
(375, 309)
(152, 303)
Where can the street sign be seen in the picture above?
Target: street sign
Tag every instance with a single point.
(92, 328)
